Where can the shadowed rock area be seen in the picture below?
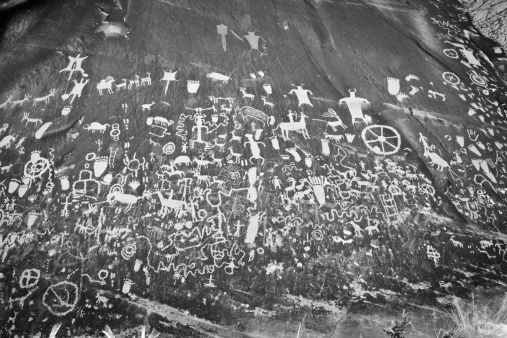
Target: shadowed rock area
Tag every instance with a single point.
(246, 168)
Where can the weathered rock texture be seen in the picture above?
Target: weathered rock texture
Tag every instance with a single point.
(245, 161)
(490, 17)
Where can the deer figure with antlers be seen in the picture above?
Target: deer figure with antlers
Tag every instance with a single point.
(146, 80)
(333, 124)
(245, 94)
(299, 126)
(44, 99)
(28, 119)
(266, 103)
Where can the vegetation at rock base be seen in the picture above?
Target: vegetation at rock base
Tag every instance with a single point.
(469, 320)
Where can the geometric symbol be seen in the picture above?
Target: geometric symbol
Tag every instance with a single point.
(61, 298)
(128, 251)
(451, 78)
(29, 278)
(478, 80)
(451, 53)
(169, 148)
(36, 166)
(103, 274)
(382, 140)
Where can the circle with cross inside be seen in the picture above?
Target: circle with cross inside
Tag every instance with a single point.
(451, 53)
(29, 278)
(451, 78)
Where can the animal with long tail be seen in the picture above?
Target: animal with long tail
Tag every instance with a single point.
(169, 204)
(299, 126)
(435, 159)
(116, 195)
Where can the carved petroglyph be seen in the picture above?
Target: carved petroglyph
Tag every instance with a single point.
(299, 126)
(302, 95)
(20, 103)
(435, 159)
(75, 65)
(106, 84)
(253, 40)
(28, 119)
(355, 106)
(45, 98)
(382, 140)
(223, 192)
(76, 90)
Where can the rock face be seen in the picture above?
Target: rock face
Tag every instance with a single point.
(490, 18)
(242, 160)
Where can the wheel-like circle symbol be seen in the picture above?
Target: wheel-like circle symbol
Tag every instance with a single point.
(478, 80)
(128, 251)
(169, 148)
(61, 298)
(116, 189)
(103, 274)
(34, 169)
(451, 78)
(317, 234)
(451, 53)
(382, 140)
(427, 189)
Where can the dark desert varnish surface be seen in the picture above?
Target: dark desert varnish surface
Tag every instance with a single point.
(203, 167)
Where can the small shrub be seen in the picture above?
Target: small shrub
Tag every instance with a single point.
(396, 330)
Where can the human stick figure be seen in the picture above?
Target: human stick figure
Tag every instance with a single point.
(75, 66)
(253, 40)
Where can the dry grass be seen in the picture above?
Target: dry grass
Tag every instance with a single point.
(469, 320)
